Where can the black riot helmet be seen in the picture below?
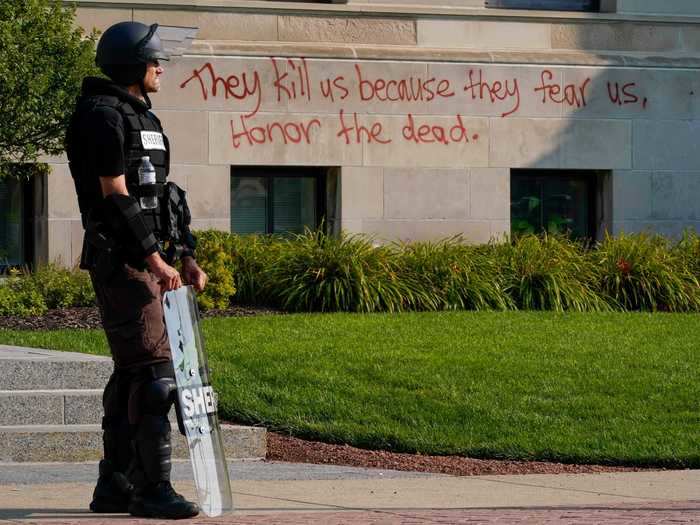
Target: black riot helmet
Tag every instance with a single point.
(126, 48)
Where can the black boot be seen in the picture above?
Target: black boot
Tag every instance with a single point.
(161, 501)
(113, 491)
(154, 496)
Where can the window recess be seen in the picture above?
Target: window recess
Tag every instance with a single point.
(549, 5)
(277, 200)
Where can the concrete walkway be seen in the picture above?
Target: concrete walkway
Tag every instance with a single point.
(284, 493)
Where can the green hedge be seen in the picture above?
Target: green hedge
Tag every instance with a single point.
(318, 272)
(50, 286)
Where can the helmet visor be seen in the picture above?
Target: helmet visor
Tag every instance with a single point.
(150, 48)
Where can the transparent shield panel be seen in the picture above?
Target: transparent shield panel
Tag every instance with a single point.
(197, 402)
(294, 204)
(249, 205)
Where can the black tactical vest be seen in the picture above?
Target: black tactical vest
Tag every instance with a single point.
(143, 136)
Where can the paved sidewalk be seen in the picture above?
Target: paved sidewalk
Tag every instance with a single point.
(283, 493)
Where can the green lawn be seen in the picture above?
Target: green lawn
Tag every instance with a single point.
(603, 388)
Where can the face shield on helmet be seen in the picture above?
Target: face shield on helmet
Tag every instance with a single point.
(125, 49)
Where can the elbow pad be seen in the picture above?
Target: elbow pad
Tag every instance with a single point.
(123, 214)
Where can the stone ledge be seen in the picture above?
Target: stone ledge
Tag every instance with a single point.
(411, 53)
(370, 10)
(50, 407)
(75, 443)
(28, 374)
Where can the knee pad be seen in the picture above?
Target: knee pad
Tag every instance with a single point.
(158, 395)
(152, 426)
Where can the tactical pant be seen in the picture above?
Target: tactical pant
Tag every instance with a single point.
(132, 316)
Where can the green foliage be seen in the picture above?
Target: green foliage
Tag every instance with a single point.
(643, 272)
(214, 257)
(688, 252)
(453, 276)
(253, 256)
(549, 272)
(61, 287)
(319, 272)
(19, 296)
(43, 59)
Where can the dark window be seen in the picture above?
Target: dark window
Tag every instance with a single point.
(552, 5)
(554, 201)
(276, 199)
(13, 211)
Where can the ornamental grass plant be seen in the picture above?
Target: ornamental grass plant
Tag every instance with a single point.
(550, 272)
(688, 251)
(645, 272)
(315, 271)
(318, 272)
(453, 276)
(254, 256)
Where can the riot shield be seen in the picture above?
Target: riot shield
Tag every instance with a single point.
(197, 403)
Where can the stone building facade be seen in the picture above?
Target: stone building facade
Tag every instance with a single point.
(418, 119)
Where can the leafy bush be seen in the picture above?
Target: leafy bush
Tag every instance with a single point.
(19, 296)
(453, 276)
(319, 272)
(214, 257)
(643, 272)
(548, 273)
(61, 287)
(688, 251)
(254, 256)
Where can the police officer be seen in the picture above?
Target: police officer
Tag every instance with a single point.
(130, 252)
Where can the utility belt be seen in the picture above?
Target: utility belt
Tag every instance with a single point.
(105, 252)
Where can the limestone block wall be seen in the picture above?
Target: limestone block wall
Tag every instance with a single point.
(422, 114)
(419, 141)
(674, 7)
(64, 228)
(422, 204)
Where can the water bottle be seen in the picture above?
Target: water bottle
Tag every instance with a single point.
(147, 177)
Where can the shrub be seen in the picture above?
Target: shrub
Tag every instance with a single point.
(319, 272)
(214, 257)
(253, 257)
(453, 276)
(548, 273)
(61, 287)
(688, 251)
(19, 296)
(642, 272)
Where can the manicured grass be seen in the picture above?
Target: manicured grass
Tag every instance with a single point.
(598, 388)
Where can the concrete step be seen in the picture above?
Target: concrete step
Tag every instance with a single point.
(54, 407)
(50, 407)
(75, 443)
(37, 369)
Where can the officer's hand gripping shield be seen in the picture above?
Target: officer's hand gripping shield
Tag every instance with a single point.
(197, 404)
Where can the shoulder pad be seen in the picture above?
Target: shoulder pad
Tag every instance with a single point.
(106, 100)
(153, 116)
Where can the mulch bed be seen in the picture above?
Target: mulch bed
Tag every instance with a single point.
(285, 448)
(89, 317)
